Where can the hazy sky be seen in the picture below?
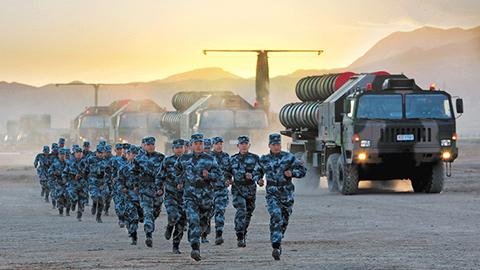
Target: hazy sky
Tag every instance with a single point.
(46, 41)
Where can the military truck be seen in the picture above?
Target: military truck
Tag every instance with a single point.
(135, 120)
(213, 114)
(372, 126)
(94, 122)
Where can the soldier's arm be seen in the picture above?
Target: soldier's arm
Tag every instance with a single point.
(215, 172)
(160, 176)
(297, 168)
(179, 172)
(35, 162)
(259, 170)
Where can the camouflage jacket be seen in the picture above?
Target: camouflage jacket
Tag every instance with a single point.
(242, 164)
(146, 166)
(42, 164)
(55, 171)
(74, 170)
(189, 171)
(223, 160)
(166, 176)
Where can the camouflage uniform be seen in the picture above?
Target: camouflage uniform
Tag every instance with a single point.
(55, 174)
(86, 155)
(74, 174)
(127, 183)
(42, 164)
(279, 190)
(118, 196)
(108, 178)
(147, 166)
(51, 181)
(244, 190)
(97, 169)
(197, 196)
(173, 197)
(220, 191)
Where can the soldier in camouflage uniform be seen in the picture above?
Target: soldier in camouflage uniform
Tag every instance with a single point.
(42, 164)
(97, 170)
(61, 142)
(108, 178)
(118, 196)
(86, 155)
(244, 188)
(173, 197)
(195, 172)
(55, 174)
(127, 183)
(220, 188)
(207, 148)
(279, 167)
(74, 174)
(146, 165)
(51, 181)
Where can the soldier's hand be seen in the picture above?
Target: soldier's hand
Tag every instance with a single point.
(248, 176)
(77, 176)
(261, 182)
(205, 173)
(288, 173)
(124, 190)
(159, 192)
(180, 186)
(228, 183)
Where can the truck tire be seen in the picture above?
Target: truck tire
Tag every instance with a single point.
(429, 178)
(331, 172)
(347, 177)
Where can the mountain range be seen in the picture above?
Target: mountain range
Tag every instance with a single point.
(448, 57)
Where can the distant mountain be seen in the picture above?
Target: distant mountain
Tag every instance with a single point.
(209, 74)
(448, 57)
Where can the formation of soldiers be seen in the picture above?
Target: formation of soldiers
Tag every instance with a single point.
(192, 183)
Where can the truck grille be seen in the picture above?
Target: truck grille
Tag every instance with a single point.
(389, 135)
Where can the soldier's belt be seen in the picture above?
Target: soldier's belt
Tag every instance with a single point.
(277, 183)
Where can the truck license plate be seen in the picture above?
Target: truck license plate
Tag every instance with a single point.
(405, 137)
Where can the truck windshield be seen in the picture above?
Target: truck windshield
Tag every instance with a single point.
(217, 119)
(380, 107)
(94, 121)
(433, 106)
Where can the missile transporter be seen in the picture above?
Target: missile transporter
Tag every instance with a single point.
(374, 126)
(222, 114)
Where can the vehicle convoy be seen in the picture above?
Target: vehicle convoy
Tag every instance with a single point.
(213, 114)
(372, 126)
(29, 130)
(134, 120)
(94, 122)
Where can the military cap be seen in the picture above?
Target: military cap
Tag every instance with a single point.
(178, 143)
(62, 151)
(61, 141)
(207, 143)
(100, 148)
(108, 148)
(143, 140)
(118, 146)
(86, 144)
(46, 149)
(126, 146)
(216, 140)
(132, 149)
(243, 139)
(197, 137)
(77, 149)
(54, 146)
(75, 146)
(102, 142)
(150, 141)
(274, 138)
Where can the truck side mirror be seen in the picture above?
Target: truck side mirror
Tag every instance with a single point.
(347, 106)
(459, 105)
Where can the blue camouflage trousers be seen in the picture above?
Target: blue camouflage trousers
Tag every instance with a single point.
(97, 189)
(220, 202)
(152, 206)
(280, 208)
(132, 212)
(175, 213)
(61, 195)
(243, 200)
(198, 204)
(119, 200)
(76, 194)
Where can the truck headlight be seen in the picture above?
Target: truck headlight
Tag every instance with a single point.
(446, 142)
(365, 143)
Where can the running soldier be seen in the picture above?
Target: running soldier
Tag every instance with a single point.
(74, 174)
(97, 169)
(59, 184)
(42, 164)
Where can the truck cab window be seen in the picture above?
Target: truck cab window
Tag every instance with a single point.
(383, 106)
(432, 106)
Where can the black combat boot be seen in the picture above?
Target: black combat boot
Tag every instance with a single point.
(79, 215)
(94, 208)
(121, 222)
(277, 251)
(195, 254)
(204, 238)
(148, 240)
(134, 238)
(106, 209)
(99, 217)
(241, 240)
(42, 193)
(68, 211)
(46, 197)
(54, 204)
(60, 211)
(73, 207)
(168, 232)
(176, 248)
(218, 238)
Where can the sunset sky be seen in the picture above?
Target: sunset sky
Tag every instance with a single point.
(47, 41)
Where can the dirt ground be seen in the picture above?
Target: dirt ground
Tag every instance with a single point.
(383, 227)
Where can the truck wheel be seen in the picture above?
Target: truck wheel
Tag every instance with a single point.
(331, 171)
(434, 180)
(347, 177)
